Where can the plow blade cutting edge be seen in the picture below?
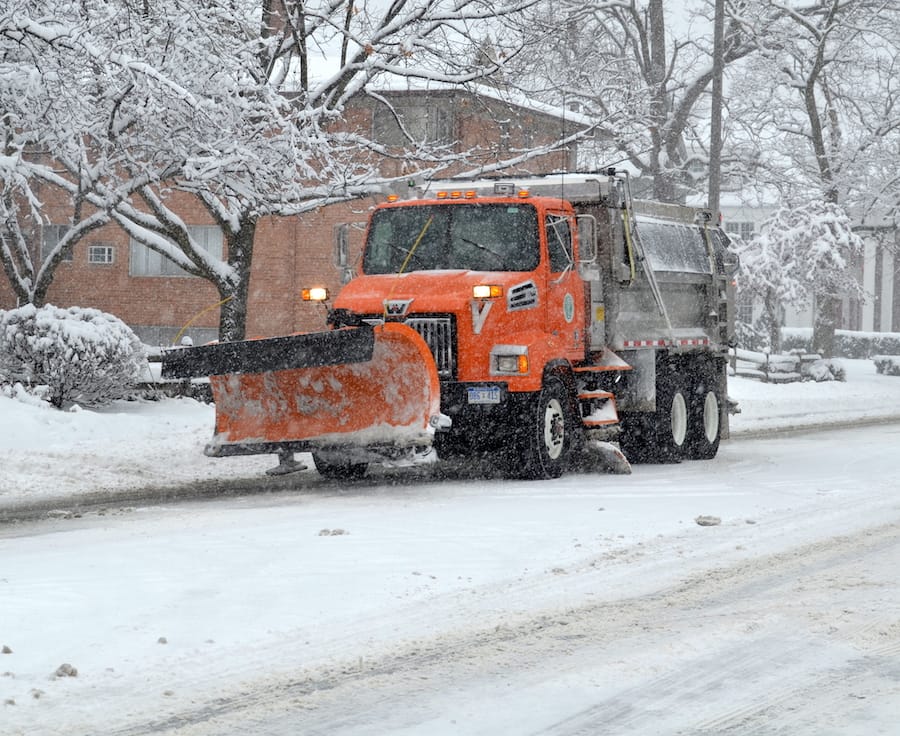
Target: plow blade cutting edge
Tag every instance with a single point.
(357, 388)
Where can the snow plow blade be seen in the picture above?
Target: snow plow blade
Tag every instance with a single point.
(360, 389)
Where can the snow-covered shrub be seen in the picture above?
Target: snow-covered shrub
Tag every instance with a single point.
(889, 365)
(80, 355)
(796, 339)
(824, 370)
(853, 345)
(750, 336)
(847, 343)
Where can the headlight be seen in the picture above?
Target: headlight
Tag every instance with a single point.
(487, 291)
(315, 294)
(509, 360)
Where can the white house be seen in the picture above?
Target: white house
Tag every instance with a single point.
(878, 271)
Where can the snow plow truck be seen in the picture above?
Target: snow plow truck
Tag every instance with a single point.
(513, 321)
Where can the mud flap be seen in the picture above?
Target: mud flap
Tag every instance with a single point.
(316, 401)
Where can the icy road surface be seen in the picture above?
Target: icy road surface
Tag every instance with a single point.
(592, 604)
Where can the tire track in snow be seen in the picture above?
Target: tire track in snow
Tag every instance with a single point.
(763, 630)
(783, 681)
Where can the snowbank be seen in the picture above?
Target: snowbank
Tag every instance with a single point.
(48, 455)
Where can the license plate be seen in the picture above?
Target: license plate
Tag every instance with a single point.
(484, 394)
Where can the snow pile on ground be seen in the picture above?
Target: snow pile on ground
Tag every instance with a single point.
(46, 454)
(864, 396)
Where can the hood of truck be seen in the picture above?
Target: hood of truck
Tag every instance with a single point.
(426, 291)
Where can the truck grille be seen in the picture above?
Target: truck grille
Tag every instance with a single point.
(439, 334)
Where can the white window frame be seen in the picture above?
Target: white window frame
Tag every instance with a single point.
(101, 255)
(144, 262)
(743, 228)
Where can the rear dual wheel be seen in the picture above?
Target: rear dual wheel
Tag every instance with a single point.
(705, 429)
(661, 436)
(672, 419)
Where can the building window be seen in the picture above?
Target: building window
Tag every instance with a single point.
(527, 129)
(424, 122)
(50, 237)
(744, 230)
(146, 262)
(744, 310)
(103, 254)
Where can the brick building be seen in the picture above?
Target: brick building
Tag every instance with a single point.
(110, 272)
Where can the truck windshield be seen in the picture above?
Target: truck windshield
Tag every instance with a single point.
(471, 237)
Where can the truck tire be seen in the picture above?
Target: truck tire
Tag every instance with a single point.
(705, 429)
(450, 447)
(672, 419)
(637, 438)
(339, 470)
(542, 443)
(660, 436)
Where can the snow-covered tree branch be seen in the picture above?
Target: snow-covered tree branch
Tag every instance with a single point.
(237, 103)
(802, 256)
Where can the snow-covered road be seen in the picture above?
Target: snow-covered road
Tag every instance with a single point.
(590, 604)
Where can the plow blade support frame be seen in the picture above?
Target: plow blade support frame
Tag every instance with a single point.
(306, 350)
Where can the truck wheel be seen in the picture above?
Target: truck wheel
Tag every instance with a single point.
(705, 427)
(339, 469)
(672, 418)
(543, 442)
(661, 436)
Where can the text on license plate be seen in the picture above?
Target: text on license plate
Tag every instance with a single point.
(484, 394)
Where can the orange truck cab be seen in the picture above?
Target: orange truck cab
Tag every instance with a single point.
(492, 285)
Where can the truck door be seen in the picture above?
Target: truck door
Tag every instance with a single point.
(565, 289)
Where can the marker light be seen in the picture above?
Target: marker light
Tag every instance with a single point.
(487, 291)
(393, 197)
(315, 294)
(441, 195)
(524, 193)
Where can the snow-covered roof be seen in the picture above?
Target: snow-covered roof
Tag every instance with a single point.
(506, 96)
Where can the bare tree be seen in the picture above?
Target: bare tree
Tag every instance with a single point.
(801, 257)
(618, 61)
(820, 108)
(236, 103)
(39, 114)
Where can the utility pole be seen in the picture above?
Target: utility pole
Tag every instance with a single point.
(715, 119)
(715, 172)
